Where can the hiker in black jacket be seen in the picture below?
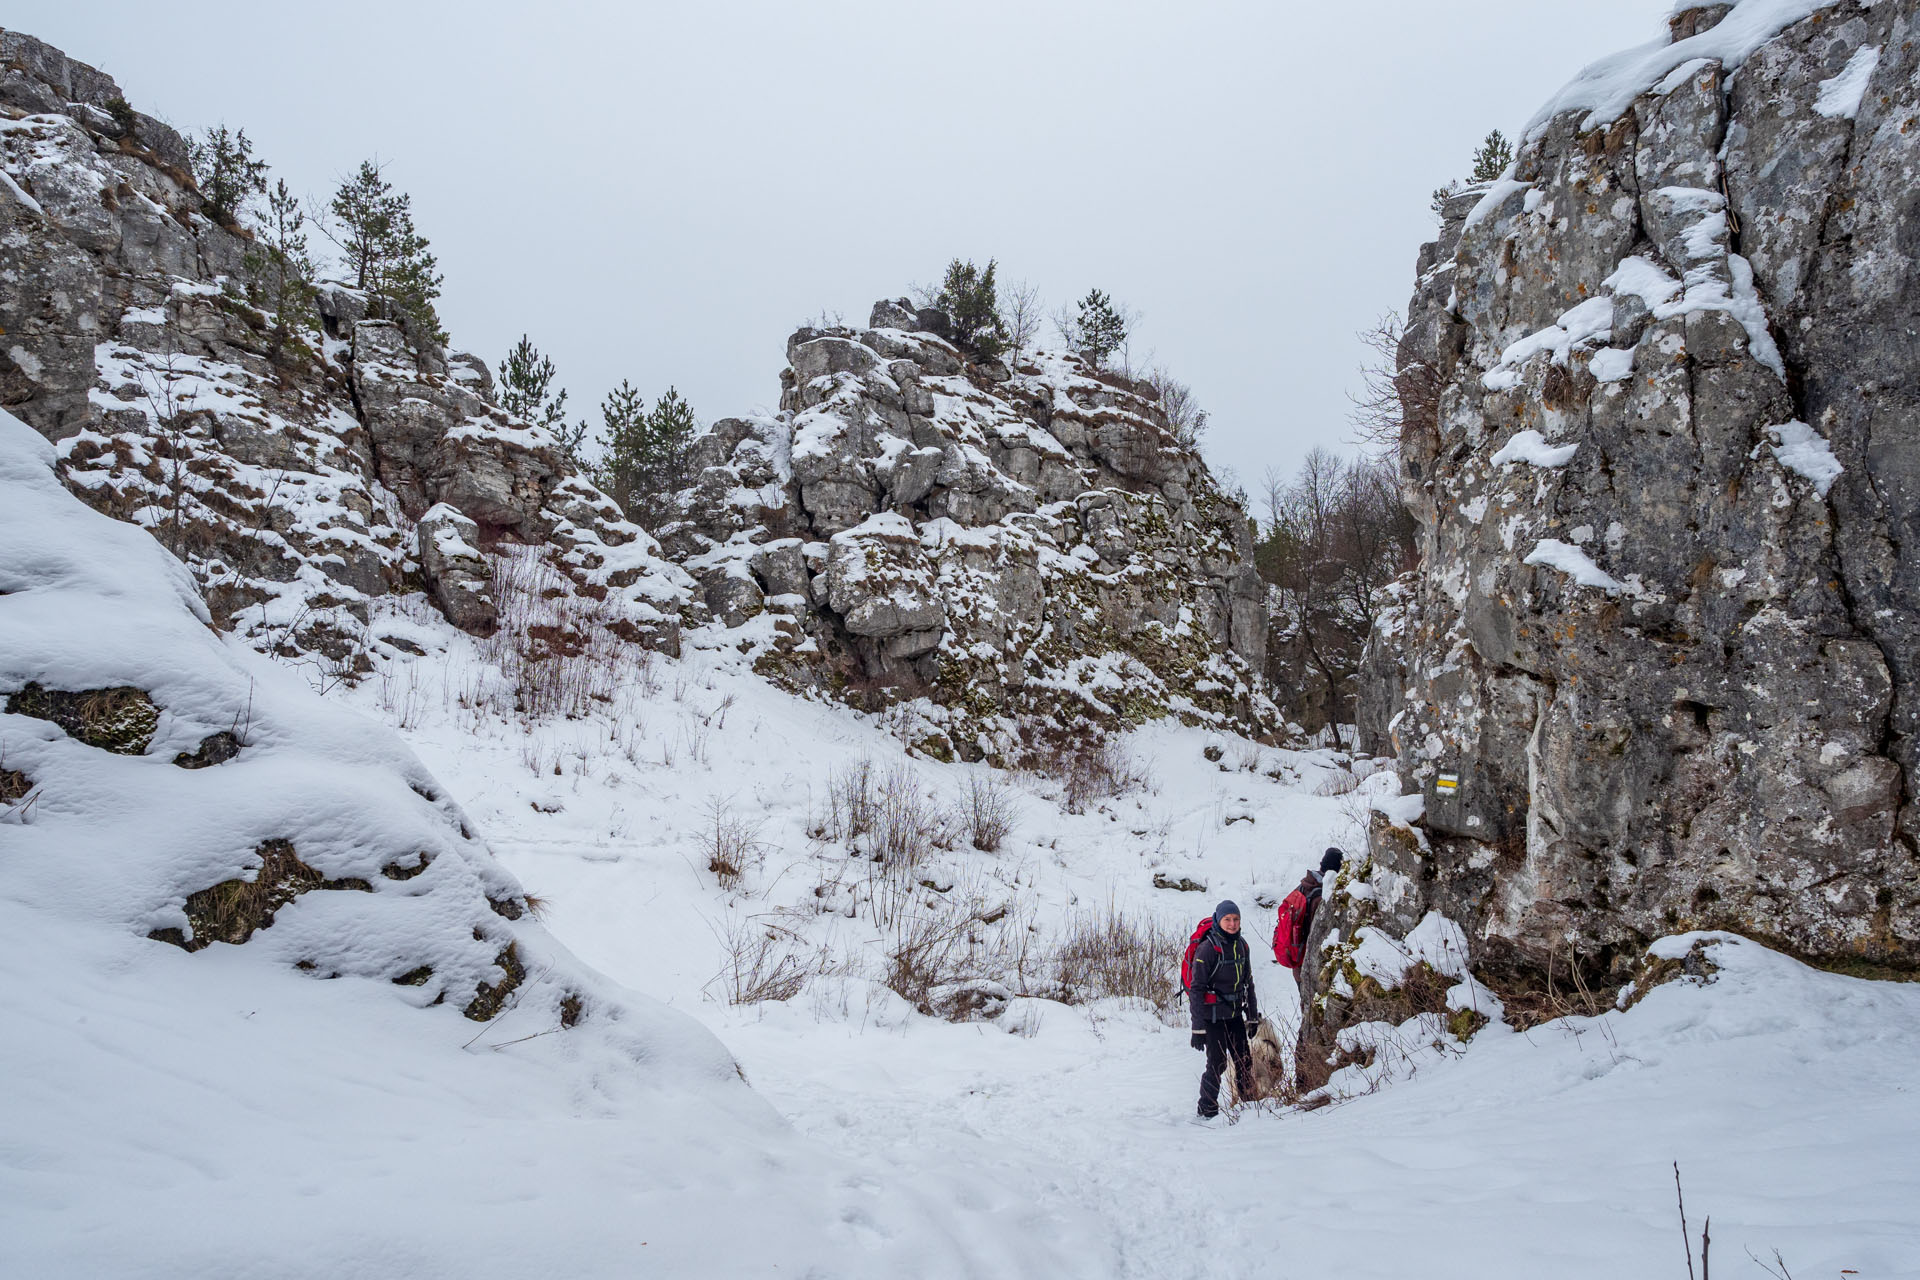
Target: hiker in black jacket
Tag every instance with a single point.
(1224, 1006)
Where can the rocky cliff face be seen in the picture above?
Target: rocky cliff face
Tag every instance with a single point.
(1657, 670)
(291, 486)
(1006, 554)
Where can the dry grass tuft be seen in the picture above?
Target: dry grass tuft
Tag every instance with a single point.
(121, 719)
(1110, 953)
(233, 910)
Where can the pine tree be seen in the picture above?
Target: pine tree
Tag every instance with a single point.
(385, 254)
(226, 172)
(1099, 328)
(280, 270)
(644, 453)
(1492, 158)
(673, 429)
(623, 445)
(526, 384)
(967, 296)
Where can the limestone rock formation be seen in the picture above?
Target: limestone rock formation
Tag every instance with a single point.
(1657, 668)
(288, 483)
(992, 547)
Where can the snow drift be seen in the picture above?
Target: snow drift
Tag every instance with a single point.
(206, 1108)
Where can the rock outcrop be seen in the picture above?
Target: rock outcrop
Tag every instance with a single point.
(1657, 668)
(288, 480)
(1004, 551)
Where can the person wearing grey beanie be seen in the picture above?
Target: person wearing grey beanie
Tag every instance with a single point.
(1224, 1005)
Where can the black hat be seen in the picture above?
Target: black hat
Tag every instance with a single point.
(1331, 860)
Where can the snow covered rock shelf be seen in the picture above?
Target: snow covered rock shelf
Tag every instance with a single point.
(1656, 669)
(261, 1089)
(1002, 551)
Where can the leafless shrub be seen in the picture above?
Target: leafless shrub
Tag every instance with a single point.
(766, 961)
(1089, 771)
(1021, 310)
(1185, 417)
(850, 804)
(1400, 394)
(959, 955)
(730, 843)
(558, 649)
(1111, 953)
(908, 820)
(988, 813)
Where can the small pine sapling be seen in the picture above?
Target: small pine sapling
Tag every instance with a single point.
(1492, 158)
(1100, 327)
(526, 392)
(226, 173)
(280, 271)
(123, 115)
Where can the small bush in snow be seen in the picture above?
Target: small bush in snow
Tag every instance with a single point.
(988, 813)
(1110, 953)
(556, 649)
(730, 844)
(1088, 771)
(959, 955)
(766, 962)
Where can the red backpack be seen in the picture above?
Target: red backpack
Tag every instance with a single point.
(1200, 932)
(1289, 933)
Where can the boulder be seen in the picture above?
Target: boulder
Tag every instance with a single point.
(459, 577)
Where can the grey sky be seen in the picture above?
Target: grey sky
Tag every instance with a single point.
(662, 191)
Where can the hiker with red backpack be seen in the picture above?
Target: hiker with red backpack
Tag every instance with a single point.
(1297, 912)
(1218, 973)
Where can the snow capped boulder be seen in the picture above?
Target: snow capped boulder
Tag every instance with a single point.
(882, 586)
(457, 574)
(1655, 670)
(999, 545)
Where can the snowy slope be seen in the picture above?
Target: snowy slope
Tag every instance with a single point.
(225, 1111)
(1785, 1094)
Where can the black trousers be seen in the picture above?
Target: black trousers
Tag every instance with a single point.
(1225, 1039)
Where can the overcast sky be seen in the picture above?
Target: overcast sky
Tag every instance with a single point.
(663, 191)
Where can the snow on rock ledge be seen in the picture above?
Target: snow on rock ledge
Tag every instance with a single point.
(287, 479)
(377, 874)
(997, 551)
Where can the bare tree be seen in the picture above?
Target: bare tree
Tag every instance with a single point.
(1335, 535)
(1399, 392)
(1184, 414)
(1020, 310)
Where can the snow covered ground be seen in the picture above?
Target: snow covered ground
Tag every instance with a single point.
(222, 1113)
(1786, 1095)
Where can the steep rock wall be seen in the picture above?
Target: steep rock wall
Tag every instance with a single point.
(1005, 551)
(1656, 670)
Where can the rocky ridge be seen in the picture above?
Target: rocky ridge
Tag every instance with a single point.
(1008, 555)
(1656, 671)
(298, 488)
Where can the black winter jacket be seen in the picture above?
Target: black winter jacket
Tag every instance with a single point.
(1222, 970)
